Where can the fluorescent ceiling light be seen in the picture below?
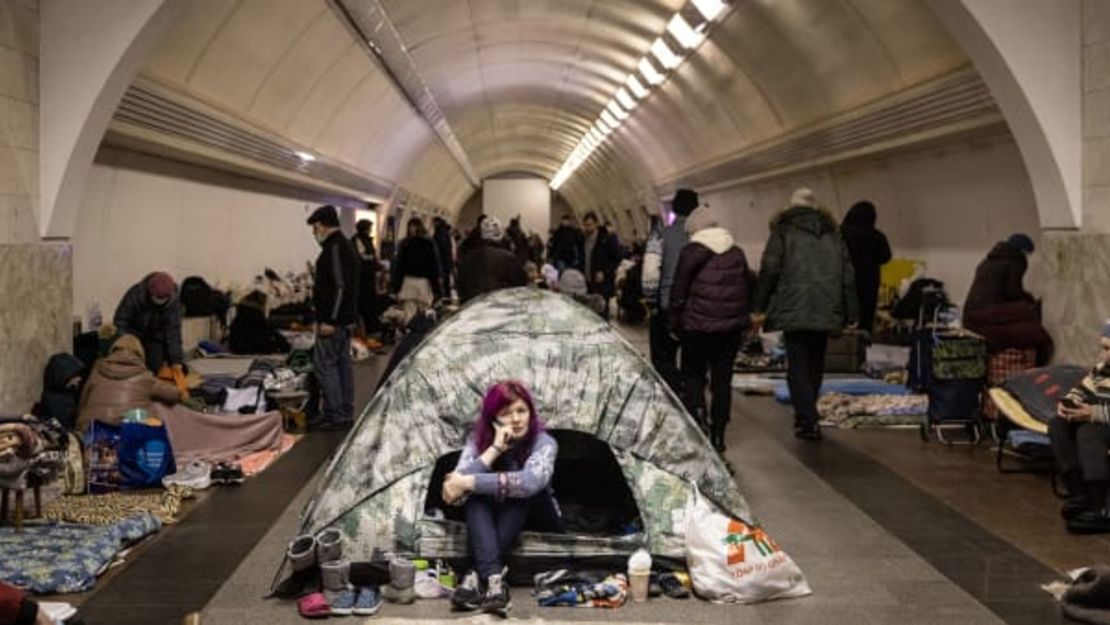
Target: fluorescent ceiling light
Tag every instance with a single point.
(710, 9)
(635, 86)
(650, 74)
(665, 55)
(626, 100)
(304, 156)
(596, 134)
(616, 110)
(607, 117)
(681, 30)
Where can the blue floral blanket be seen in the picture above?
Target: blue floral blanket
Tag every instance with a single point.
(62, 557)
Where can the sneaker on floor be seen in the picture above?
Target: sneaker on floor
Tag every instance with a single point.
(672, 587)
(1090, 522)
(314, 605)
(496, 599)
(808, 432)
(233, 474)
(196, 475)
(368, 602)
(466, 596)
(342, 602)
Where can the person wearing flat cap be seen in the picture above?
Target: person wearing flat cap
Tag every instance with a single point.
(335, 297)
(151, 310)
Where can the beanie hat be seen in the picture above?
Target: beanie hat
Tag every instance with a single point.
(700, 220)
(326, 215)
(1022, 242)
(684, 202)
(803, 197)
(491, 229)
(159, 284)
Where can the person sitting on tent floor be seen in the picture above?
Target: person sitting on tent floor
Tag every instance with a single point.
(503, 479)
(1080, 436)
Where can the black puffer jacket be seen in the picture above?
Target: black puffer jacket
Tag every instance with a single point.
(869, 251)
(488, 267)
(998, 279)
(59, 401)
(417, 258)
(710, 291)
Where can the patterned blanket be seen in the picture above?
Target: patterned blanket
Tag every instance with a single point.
(854, 411)
(111, 508)
(61, 558)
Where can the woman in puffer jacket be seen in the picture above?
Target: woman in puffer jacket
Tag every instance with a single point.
(709, 313)
(121, 382)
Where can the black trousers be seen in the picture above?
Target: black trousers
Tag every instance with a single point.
(1081, 447)
(713, 354)
(664, 351)
(805, 367)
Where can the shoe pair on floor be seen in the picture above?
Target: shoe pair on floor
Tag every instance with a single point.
(348, 602)
(227, 473)
(469, 595)
(667, 584)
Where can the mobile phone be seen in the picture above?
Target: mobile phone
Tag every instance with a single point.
(1070, 403)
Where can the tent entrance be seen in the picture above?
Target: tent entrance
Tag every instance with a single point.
(589, 486)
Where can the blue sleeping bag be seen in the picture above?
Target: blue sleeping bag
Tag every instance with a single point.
(847, 386)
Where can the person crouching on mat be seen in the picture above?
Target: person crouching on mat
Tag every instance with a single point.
(1080, 436)
(503, 479)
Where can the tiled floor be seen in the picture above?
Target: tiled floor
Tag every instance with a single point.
(887, 529)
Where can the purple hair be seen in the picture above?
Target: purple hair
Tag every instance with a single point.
(497, 398)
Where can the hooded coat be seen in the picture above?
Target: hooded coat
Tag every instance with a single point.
(488, 266)
(806, 278)
(869, 251)
(251, 332)
(59, 401)
(121, 382)
(154, 325)
(998, 279)
(710, 290)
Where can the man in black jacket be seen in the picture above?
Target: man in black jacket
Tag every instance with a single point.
(334, 295)
(441, 236)
(601, 258)
(151, 310)
(489, 265)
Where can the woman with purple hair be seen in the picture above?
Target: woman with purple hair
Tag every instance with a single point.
(504, 481)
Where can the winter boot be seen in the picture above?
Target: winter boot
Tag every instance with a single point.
(1078, 500)
(337, 587)
(329, 546)
(402, 582)
(301, 554)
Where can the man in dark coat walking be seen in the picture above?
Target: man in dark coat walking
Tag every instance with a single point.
(869, 251)
(335, 296)
(489, 265)
(601, 259)
(151, 310)
(806, 289)
(445, 250)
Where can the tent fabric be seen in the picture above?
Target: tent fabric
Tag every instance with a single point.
(584, 376)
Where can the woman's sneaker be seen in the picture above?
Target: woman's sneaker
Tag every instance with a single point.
(367, 602)
(496, 599)
(466, 596)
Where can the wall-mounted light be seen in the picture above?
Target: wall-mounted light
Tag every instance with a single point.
(665, 55)
(650, 74)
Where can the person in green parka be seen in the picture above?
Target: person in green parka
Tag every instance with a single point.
(807, 290)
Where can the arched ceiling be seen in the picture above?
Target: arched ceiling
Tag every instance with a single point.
(520, 81)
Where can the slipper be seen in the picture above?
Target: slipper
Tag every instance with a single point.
(314, 606)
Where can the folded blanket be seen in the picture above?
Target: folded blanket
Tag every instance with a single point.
(847, 386)
(840, 409)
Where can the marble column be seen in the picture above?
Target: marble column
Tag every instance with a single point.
(36, 283)
(1071, 273)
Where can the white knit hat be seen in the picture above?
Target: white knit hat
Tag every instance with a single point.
(803, 197)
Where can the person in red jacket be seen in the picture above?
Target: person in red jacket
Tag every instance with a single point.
(16, 608)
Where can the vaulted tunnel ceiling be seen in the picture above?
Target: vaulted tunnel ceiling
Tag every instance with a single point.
(520, 81)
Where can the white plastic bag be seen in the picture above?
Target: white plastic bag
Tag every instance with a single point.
(733, 562)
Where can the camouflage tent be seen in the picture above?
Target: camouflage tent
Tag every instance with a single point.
(585, 377)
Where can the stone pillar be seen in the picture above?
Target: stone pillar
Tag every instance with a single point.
(1096, 115)
(36, 284)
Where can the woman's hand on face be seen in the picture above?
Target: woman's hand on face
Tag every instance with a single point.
(454, 488)
(502, 436)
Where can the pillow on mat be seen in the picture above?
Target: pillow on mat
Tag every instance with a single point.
(1038, 390)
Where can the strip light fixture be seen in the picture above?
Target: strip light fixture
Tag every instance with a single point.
(687, 30)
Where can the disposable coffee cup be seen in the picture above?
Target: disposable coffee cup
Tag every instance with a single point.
(638, 582)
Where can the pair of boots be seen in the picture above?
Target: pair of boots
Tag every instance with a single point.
(715, 431)
(1086, 510)
(494, 598)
